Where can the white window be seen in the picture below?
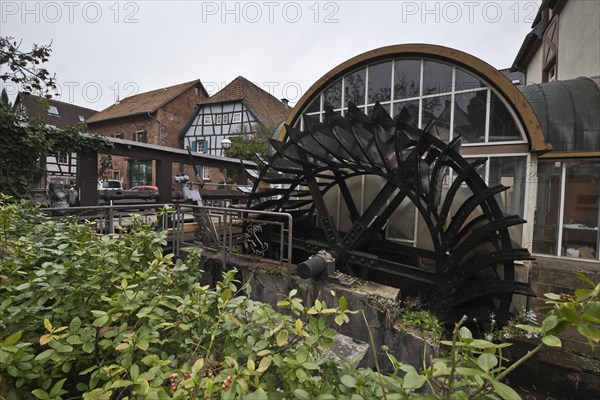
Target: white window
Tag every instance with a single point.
(81, 119)
(218, 119)
(207, 120)
(237, 117)
(62, 158)
(141, 136)
(225, 119)
(205, 173)
(53, 110)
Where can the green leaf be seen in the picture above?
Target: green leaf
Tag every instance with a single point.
(589, 331)
(198, 364)
(12, 339)
(552, 296)
(101, 321)
(44, 355)
(134, 372)
(41, 394)
(487, 361)
(142, 345)
(251, 365)
(585, 279)
(120, 383)
(342, 303)
(301, 374)
(301, 355)
(505, 391)
(57, 388)
(551, 340)
(583, 294)
(282, 338)
(302, 394)
(88, 347)
(549, 323)
(264, 364)
(48, 325)
(465, 333)
(413, 381)
(348, 381)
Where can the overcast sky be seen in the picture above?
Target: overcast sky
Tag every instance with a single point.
(105, 49)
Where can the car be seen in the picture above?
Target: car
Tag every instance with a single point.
(152, 189)
(109, 184)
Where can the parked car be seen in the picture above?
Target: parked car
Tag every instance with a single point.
(109, 184)
(152, 189)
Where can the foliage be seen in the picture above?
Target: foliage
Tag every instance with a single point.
(4, 98)
(104, 172)
(23, 67)
(247, 146)
(414, 318)
(92, 316)
(24, 144)
(581, 311)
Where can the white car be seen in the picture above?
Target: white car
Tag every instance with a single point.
(110, 184)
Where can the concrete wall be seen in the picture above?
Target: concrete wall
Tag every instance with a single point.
(555, 275)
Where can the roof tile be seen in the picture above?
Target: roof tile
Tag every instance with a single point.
(144, 102)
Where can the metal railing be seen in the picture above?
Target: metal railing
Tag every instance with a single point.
(110, 218)
(227, 227)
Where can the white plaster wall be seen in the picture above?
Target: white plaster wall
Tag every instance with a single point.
(579, 39)
(534, 70)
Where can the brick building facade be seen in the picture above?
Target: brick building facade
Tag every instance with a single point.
(156, 117)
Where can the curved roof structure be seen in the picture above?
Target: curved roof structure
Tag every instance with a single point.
(468, 63)
(568, 113)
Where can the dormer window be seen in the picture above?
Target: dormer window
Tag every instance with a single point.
(81, 119)
(53, 110)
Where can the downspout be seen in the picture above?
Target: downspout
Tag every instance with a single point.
(160, 133)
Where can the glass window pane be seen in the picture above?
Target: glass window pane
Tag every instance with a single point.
(465, 81)
(580, 223)
(380, 80)
(510, 172)
(438, 108)
(469, 116)
(402, 222)
(437, 78)
(314, 105)
(354, 88)
(407, 78)
(370, 109)
(413, 109)
(502, 123)
(333, 95)
(545, 228)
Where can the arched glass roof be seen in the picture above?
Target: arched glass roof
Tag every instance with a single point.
(466, 96)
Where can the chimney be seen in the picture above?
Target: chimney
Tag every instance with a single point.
(285, 102)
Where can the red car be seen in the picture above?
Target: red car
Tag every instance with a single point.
(152, 189)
